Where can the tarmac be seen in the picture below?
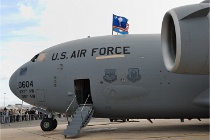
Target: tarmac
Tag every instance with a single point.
(103, 129)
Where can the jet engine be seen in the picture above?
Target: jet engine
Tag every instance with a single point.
(185, 39)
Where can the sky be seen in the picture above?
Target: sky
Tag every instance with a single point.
(30, 26)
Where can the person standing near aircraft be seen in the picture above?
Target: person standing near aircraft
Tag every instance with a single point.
(2, 117)
(6, 111)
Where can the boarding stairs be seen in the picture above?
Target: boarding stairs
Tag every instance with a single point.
(80, 119)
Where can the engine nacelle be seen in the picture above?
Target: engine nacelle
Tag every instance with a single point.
(185, 39)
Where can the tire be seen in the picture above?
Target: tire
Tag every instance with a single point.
(111, 120)
(46, 124)
(124, 120)
(55, 123)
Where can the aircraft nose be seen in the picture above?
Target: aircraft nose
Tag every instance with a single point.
(13, 82)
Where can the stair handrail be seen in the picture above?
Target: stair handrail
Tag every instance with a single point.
(85, 103)
(71, 103)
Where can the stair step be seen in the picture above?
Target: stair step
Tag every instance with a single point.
(74, 128)
(79, 120)
(71, 133)
(76, 123)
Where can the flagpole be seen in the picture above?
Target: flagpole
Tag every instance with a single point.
(112, 23)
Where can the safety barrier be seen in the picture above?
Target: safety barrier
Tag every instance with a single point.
(18, 118)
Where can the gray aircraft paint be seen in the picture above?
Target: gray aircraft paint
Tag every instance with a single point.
(127, 76)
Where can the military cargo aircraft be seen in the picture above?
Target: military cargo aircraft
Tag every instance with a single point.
(121, 76)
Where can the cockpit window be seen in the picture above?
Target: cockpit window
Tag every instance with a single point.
(34, 58)
(39, 57)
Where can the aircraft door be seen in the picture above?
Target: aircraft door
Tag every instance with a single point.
(82, 91)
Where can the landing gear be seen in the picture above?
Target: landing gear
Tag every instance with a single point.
(48, 124)
(55, 123)
(114, 119)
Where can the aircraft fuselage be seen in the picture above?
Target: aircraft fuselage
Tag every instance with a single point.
(124, 75)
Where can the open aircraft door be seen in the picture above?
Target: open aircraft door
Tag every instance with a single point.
(83, 91)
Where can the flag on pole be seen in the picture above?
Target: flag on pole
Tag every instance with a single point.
(120, 24)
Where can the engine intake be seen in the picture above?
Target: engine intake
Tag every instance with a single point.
(185, 39)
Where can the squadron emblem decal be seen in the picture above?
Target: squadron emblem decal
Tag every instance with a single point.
(110, 75)
(133, 75)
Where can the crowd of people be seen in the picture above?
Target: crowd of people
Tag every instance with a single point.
(15, 115)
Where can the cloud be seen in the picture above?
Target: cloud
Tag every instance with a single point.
(26, 12)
